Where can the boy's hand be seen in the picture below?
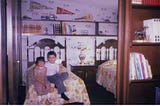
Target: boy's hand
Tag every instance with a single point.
(60, 68)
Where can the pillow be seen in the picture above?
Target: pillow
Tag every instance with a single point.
(58, 61)
(62, 68)
(110, 62)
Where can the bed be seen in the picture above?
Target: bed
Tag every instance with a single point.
(106, 73)
(75, 87)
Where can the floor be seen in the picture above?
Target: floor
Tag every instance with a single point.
(99, 96)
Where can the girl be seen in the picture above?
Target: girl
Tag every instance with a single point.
(42, 85)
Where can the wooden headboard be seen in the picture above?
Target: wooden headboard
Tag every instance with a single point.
(42, 47)
(106, 51)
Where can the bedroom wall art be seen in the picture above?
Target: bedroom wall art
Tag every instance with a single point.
(80, 24)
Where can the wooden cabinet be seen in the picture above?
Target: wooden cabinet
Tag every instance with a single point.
(143, 91)
(85, 72)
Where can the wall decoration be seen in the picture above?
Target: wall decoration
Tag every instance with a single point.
(71, 9)
(63, 11)
(36, 5)
(108, 28)
(87, 17)
(80, 28)
(80, 45)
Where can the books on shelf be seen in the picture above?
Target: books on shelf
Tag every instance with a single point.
(57, 29)
(37, 27)
(151, 2)
(146, 2)
(157, 95)
(152, 29)
(139, 67)
(31, 28)
(136, 1)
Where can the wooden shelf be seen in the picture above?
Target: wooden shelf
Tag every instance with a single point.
(145, 43)
(29, 34)
(70, 21)
(142, 91)
(144, 81)
(142, 6)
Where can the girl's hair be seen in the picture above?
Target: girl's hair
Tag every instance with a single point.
(51, 53)
(39, 59)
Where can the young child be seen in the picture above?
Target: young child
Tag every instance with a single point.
(54, 74)
(41, 83)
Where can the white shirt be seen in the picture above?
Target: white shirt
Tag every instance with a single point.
(52, 69)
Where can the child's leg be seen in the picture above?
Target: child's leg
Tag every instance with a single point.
(64, 76)
(57, 79)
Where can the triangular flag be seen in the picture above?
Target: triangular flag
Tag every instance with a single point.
(63, 11)
(87, 17)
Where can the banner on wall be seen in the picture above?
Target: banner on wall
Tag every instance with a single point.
(63, 11)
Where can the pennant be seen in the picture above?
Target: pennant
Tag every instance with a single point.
(87, 17)
(63, 11)
(37, 5)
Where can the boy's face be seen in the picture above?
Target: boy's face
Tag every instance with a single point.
(51, 58)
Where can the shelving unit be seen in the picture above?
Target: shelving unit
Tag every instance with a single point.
(145, 44)
(143, 91)
(144, 81)
(94, 28)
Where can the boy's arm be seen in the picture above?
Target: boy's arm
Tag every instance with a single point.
(60, 68)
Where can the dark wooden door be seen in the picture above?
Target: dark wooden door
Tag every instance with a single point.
(3, 54)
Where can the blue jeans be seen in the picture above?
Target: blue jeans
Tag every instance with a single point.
(58, 79)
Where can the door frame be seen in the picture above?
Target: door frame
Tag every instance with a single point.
(13, 50)
(3, 54)
(122, 71)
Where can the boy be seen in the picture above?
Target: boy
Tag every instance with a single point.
(54, 74)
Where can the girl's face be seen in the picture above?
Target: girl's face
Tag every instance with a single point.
(51, 58)
(40, 63)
